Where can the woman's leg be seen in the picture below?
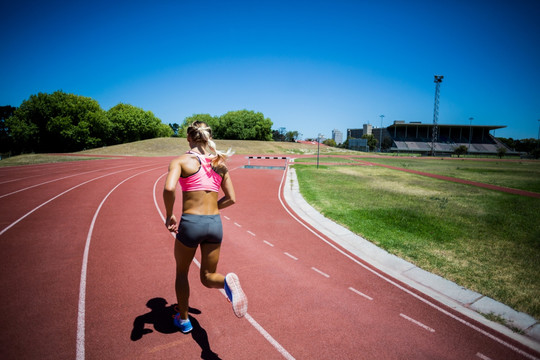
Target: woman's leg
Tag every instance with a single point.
(183, 255)
(209, 260)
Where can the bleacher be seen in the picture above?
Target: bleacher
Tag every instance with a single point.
(417, 138)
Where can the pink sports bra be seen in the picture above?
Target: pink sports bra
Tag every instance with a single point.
(206, 178)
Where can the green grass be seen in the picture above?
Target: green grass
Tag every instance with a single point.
(31, 159)
(484, 240)
(518, 174)
(324, 159)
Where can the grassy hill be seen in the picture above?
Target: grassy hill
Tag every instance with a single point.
(176, 146)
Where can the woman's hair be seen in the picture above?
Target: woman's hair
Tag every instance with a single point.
(200, 133)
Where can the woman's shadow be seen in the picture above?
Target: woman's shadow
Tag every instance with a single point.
(161, 317)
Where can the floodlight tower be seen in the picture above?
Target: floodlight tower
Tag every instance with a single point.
(380, 134)
(438, 81)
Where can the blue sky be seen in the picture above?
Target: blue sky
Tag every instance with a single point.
(310, 66)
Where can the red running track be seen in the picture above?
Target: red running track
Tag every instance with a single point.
(99, 223)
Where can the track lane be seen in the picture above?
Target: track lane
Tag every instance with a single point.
(41, 271)
(309, 314)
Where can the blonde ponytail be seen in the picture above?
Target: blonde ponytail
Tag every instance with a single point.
(220, 157)
(200, 133)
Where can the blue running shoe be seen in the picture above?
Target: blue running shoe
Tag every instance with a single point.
(184, 325)
(236, 295)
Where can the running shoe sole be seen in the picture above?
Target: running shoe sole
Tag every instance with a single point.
(239, 300)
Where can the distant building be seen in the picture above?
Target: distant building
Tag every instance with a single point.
(358, 133)
(337, 136)
(354, 133)
(416, 137)
(368, 129)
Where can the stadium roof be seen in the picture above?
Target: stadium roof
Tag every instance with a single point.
(398, 123)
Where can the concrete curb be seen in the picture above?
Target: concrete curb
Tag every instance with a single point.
(467, 302)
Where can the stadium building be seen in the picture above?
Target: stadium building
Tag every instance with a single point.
(416, 137)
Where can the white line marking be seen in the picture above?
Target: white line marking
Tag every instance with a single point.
(248, 317)
(360, 293)
(237, 224)
(390, 281)
(268, 243)
(417, 323)
(289, 255)
(268, 337)
(320, 272)
(82, 288)
(226, 217)
(249, 232)
(50, 181)
(482, 356)
(57, 196)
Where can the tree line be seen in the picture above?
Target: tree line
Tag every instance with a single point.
(234, 125)
(61, 122)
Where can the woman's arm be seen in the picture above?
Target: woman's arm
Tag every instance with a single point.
(228, 189)
(169, 193)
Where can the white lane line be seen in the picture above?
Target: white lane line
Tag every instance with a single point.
(50, 181)
(390, 281)
(417, 323)
(237, 224)
(57, 196)
(226, 217)
(248, 317)
(82, 288)
(269, 338)
(360, 293)
(250, 233)
(320, 272)
(482, 356)
(268, 243)
(289, 255)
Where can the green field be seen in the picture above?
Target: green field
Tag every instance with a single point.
(518, 174)
(484, 240)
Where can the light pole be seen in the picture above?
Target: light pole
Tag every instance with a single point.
(438, 81)
(380, 135)
(470, 133)
(318, 148)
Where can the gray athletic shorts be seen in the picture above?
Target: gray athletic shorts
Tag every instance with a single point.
(198, 229)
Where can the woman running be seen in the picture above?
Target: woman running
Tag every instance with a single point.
(201, 175)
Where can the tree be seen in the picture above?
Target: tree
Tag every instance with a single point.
(501, 151)
(58, 122)
(5, 138)
(175, 127)
(131, 123)
(245, 125)
(386, 143)
(460, 150)
(330, 142)
(291, 136)
(371, 141)
(278, 135)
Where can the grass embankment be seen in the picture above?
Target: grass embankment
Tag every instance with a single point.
(175, 146)
(484, 240)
